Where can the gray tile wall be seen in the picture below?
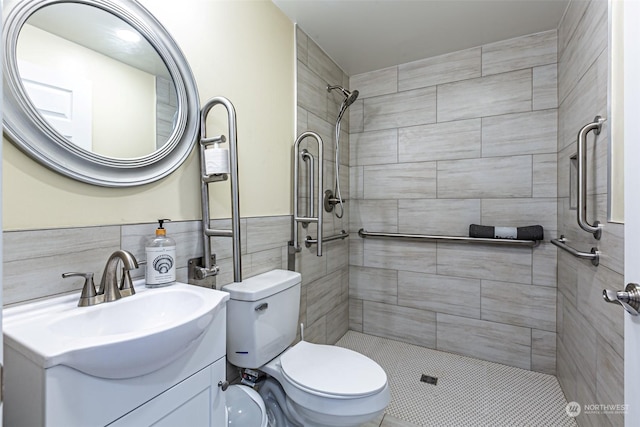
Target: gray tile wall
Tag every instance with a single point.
(590, 346)
(324, 305)
(34, 260)
(438, 144)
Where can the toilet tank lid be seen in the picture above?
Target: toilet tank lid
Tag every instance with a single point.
(263, 285)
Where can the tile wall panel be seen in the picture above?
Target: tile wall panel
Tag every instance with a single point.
(373, 284)
(402, 256)
(87, 249)
(410, 108)
(545, 177)
(586, 99)
(496, 342)
(516, 304)
(375, 83)
(485, 262)
(400, 323)
(324, 302)
(486, 96)
(374, 215)
(587, 43)
(499, 177)
(438, 216)
(440, 141)
(35, 260)
(451, 67)
(493, 144)
(519, 212)
(521, 52)
(404, 180)
(543, 351)
(545, 264)
(374, 148)
(434, 293)
(545, 87)
(522, 133)
(590, 341)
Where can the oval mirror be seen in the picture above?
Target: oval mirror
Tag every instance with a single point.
(97, 90)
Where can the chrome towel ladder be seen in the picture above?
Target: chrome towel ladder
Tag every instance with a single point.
(315, 197)
(207, 267)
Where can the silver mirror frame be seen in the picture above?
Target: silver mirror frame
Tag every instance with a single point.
(32, 134)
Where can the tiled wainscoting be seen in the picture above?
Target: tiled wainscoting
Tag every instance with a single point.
(590, 333)
(436, 145)
(34, 260)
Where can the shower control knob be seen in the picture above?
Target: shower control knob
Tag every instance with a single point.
(629, 299)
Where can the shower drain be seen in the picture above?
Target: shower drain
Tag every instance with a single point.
(429, 379)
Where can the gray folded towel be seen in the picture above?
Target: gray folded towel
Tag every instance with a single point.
(531, 232)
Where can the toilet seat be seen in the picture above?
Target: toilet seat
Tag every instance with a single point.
(329, 386)
(332, 372)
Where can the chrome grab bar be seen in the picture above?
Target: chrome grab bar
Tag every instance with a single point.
(208, 269)
(449, 239)
(308, 241)
(594, 255)
(297, 154)
(307, 156)
(596, 228)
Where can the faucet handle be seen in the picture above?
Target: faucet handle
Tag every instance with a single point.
(88, 295)
(126, 284)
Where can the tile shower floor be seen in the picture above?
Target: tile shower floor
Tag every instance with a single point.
(469, 392)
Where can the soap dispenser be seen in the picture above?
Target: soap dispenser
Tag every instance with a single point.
(161, 258)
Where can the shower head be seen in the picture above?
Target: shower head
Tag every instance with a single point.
(349, 97)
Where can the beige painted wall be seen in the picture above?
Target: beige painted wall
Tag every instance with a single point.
(243, 50)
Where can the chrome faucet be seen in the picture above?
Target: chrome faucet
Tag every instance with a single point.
(109, 289)
(109, 283)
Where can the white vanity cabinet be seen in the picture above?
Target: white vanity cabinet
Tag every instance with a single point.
(185, 392)
(196, 401)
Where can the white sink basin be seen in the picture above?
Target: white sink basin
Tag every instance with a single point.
(133, 336)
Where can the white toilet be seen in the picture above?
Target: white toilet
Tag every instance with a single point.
(245, 407)
(308, 384)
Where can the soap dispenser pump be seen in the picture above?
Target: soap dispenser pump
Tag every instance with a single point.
(161, 258)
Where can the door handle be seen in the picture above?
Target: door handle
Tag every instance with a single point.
(629, 299)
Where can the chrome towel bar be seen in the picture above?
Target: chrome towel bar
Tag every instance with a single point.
(596, 227)
(594, 255)
(311, 241)
(449, 239)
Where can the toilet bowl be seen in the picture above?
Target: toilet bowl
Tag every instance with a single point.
(307, 384)
(329, 386)
(245, 407)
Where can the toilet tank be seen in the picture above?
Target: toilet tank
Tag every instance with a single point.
(262, 317)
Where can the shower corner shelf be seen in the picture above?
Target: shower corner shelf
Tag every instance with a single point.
(449, 239)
